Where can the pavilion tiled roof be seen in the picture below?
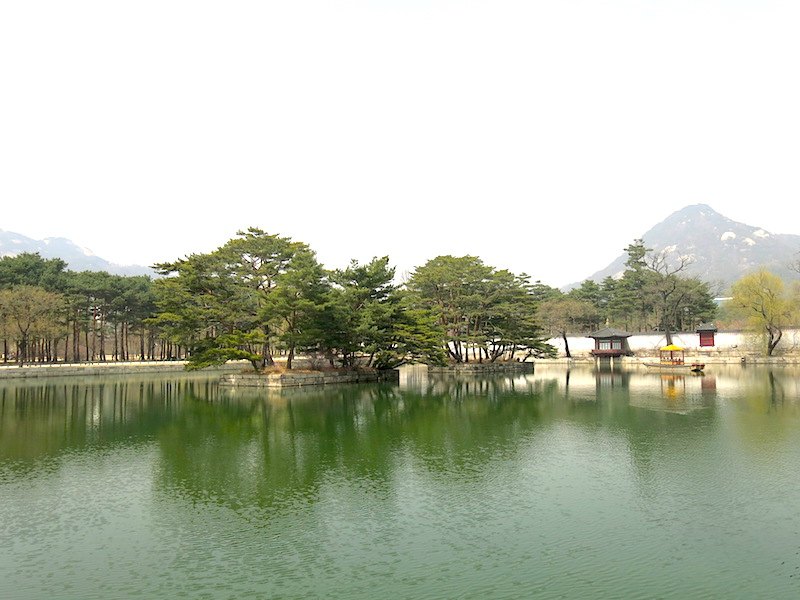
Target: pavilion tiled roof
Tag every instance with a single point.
(609, 332)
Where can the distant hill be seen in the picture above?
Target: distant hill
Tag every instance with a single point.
(77, 258)
(721, 250)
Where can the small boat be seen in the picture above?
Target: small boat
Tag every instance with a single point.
(673, 358)
(693, 367)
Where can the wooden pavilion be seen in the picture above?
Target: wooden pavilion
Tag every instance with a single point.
(610, 343)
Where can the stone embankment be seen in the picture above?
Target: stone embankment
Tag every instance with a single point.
(90, 369)
(298, 378)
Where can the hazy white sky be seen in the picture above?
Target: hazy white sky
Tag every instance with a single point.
(517, 131)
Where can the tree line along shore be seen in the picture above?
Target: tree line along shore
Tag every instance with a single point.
(261, 296)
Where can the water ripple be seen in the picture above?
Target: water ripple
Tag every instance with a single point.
(447, 494)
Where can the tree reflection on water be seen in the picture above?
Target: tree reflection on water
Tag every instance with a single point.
(276, 448)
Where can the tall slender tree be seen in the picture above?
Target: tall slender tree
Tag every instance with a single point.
(761, 298)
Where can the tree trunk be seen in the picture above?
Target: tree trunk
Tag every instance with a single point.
(22, 350)
(466, 343)
(267, 355)
(451, 352)
(493, 356)
(102, 337)
(775, 336)
(566, 344)
(76, 341)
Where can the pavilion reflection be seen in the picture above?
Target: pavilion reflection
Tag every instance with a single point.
(674, 392)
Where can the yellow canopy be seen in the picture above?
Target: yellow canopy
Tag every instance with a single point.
(671, 348)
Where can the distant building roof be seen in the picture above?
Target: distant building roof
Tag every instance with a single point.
(609, 332)
(706, 327)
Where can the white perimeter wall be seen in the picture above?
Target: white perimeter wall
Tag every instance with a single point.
(729, 342)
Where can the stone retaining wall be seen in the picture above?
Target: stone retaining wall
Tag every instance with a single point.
(87, 369)
(288, 379)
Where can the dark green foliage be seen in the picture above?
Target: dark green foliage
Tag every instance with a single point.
(414, 336)
(260, 293)
(373, 323)
(227, 346)
(365, 301)
(591, 292)
(650, 295)
(31, 269)
(292, 310)
(484, 312)
(215, 303)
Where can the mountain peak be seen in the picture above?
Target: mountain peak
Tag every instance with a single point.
(719, 250)
(77, 257)
(697, 209)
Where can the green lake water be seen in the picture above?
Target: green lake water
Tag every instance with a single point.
(559, 484)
